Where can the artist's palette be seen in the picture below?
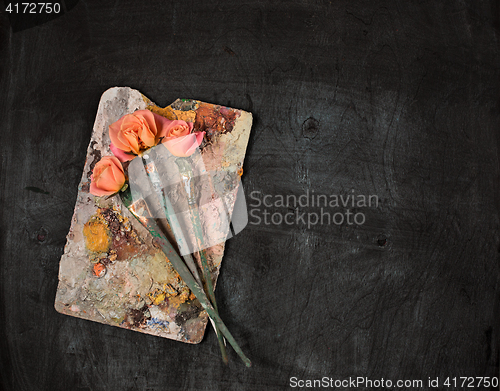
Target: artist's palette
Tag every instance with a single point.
(110, 272)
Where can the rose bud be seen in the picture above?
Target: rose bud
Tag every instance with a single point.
(107, 177)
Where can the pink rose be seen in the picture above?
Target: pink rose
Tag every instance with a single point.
(107, 177)
(185, 145)
(179, 140)
(178, 128)
(136, 132)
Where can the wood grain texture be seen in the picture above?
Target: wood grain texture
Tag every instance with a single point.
(389, 98)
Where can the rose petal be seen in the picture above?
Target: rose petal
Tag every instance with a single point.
(98, 192)
(115, 161)
(117, 168)
(114, 130)
(150, 119)
(162, 125)
(129, 133)
(120, 154)
(146, 135)
(199, 139)
(130, 121)
(146, 127)
(106, 181)
(130, 138)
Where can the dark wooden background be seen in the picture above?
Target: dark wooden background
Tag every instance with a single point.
(398, 99)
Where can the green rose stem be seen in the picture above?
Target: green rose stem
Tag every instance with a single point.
(187, 177)
(154, 177)
(183, 271)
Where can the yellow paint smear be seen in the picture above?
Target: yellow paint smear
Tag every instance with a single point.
(96, 235)
(157, 298)
(165, 112)
(168, 112)
(188, 116)
(176, 301)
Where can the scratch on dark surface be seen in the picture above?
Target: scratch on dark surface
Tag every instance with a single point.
(229, 51)
(36, 190)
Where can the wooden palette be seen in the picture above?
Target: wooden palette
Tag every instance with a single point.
(110, 272)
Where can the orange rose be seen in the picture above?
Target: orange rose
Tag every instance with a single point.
(107, 177)
(136, 132)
